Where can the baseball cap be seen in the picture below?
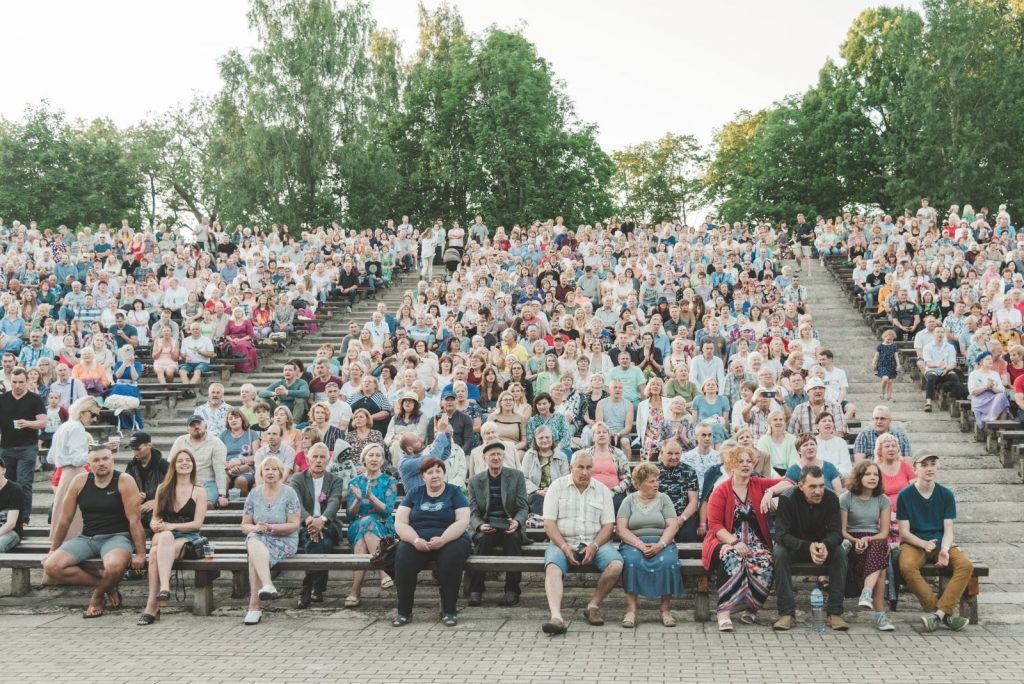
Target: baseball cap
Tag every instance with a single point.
(140, 438)
(496, 444)
(448, 394)
(924, 456)
(196, 418)
(816, 383)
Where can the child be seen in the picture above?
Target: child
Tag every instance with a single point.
(263, 417)
(886, 363)
(55, 416)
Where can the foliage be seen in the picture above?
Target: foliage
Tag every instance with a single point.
(659, 179)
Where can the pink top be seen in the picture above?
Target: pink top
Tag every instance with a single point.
(894, 483)
(606, 472)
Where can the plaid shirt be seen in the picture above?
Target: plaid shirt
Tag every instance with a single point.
(866, 438)
(803, 417)
(579, 515)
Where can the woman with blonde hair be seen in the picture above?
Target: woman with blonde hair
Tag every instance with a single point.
(69, 452)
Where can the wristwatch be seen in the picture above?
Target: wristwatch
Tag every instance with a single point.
(324, 519)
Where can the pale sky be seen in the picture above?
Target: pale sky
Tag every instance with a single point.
(637, 69)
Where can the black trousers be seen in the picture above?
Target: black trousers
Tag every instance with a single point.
(836, 565)
(450, 559)
(485, 546)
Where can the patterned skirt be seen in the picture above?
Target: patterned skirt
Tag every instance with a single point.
(875, 558)
(744, 583)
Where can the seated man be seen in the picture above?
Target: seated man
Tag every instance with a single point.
(578, 520)
(320, 494)
(679, 482)
(498, 508)
(807, 527)
(926, 511)
(195, 352)
(111, 527)
(291, 391)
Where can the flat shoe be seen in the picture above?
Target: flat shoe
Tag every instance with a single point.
(253, 617)
(387, 583)
(90, 613)
(400, 621)
(146, 619)
(667, 619)
(451, 620)
(268, 593)
(554, 627)
(351, 602)
(629, 620)
(724, 623)
(316, 596)
(748, 618)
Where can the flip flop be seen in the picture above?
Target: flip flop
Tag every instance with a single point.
(90, 613)
(115, 600)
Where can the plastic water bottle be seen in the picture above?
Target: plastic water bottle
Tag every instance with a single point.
(817, 611)
(208, 550)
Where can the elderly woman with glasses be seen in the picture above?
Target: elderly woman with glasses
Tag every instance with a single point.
(69, 453)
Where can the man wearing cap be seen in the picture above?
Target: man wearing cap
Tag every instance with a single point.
(461, 424)
(211, 459)
(805, 414)
(498, 508)
(148, 469)
(925, 511)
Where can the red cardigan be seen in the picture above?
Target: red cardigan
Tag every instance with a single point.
(721, 512)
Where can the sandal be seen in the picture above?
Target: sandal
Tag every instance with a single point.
(629, 620)
(163, 598)
(90, 613)
(387, 582)
(351, 602)
(748, 618)
(147, 619)
(451, 620)
(668, 619)
(724, 622)
(401, 621)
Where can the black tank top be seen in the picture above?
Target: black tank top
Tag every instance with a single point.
(102, 509)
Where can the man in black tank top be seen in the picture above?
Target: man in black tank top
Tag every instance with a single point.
(111, 527)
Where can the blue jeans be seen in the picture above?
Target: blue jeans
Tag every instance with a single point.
(21, 468)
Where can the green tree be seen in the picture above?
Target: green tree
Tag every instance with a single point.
(661, 178)
(58, 172)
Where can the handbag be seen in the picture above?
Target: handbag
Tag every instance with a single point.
(384, 557)
(193, 549)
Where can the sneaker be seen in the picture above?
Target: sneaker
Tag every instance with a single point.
(866, 599)
(955, 622)
(928, 407)
(929, 622)
(882, 623)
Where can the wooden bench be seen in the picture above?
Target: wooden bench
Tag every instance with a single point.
(206, 572)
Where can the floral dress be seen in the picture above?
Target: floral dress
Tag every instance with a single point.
(653, 435)
(275, 512)
(744, 583)
(367, 520)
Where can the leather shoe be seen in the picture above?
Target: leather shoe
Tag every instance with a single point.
(316, 596)
(510, 598)
(837, 623)
(593, 615)
(304, 597)
(475, 599)
(784, 623)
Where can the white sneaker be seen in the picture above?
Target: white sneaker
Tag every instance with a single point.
(883, 624)
(865, 600)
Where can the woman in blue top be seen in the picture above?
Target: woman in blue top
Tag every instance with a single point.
(370, 502)
(713, 408)
(431, 523)
(12, 330)
(807, 450)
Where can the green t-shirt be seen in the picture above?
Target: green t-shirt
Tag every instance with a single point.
(647, 520)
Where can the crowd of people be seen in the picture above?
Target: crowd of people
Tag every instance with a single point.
(638, 373)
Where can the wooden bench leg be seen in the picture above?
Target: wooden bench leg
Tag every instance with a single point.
(20, 584)
(969, 601)
(225, 375)
(239, 584)
(701, 600)
(202, 597)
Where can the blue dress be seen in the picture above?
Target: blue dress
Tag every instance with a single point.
(886, 360)
(659, 574)
(276, 511)
(367, 520)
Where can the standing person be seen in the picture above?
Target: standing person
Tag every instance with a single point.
(808, 527)
(177, 518)
(803, 236)
(320, 495)
(11, 526)
(22, 416)
(111, 527)
(578, 520)
(498, 508)
(69, 452)
(926, 511)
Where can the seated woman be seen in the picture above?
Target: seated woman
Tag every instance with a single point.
(511, 425)
(92, 375)
(988, 395)
(270, 522)
(544, 414)
(865, 513)
(807, 450)
(778, 444)
(241, 444)
(431, 522)
(647, 524)
(370, 502)
(179, 515)
(610, 465)
(738, 545)
(542, 465)
(241, 337)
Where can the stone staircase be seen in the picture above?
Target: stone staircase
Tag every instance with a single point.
(990, 499)
(170, 422)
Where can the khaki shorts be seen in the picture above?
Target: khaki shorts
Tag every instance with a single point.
(806, 250)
